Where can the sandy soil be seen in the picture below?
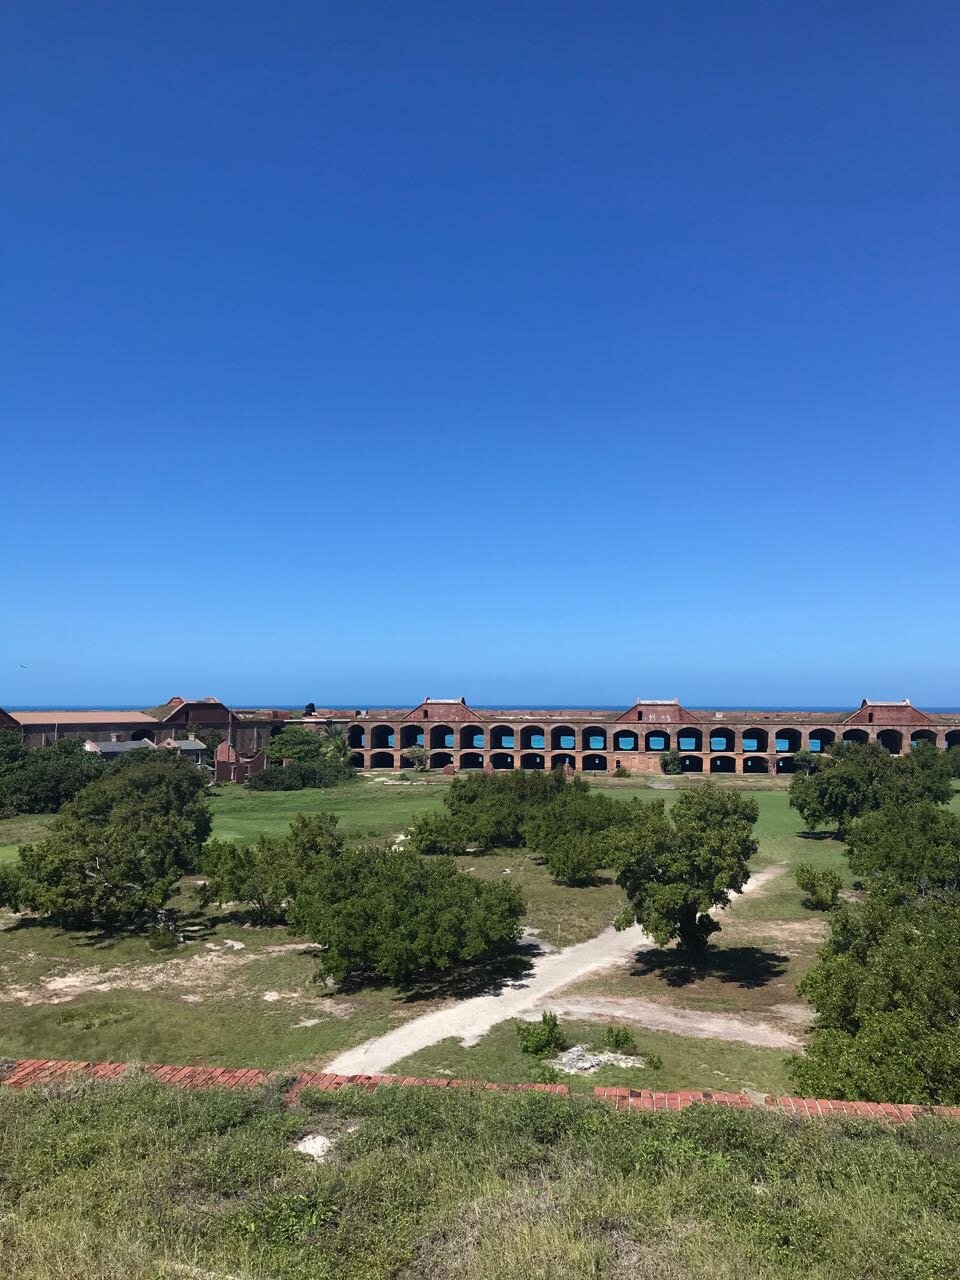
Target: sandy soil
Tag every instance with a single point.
(469, 1020)
(682, 1022)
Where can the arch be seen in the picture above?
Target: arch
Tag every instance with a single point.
(563, 737)
(356, 760)
(593, 738)
(754, 739)
(787, 740)
(441, 737)
(381, 735)
(626, 740)
(502, 737)
(142, 735)
(892, 739)
(756, 764)
(356, 737)
(532, 738)
(440, 759)
(501, 760)
(786, 764)
(723, 764)
(411, 735)
(471, 760)
(689, 739)
(855, 736)
(722, 738)
(563, 761)
(820, 739)
(471, 737)
(923, 735)
(953, 738)
(532, 760)
(691, 764)
(381, 760)
(594, 763)
(657, 740)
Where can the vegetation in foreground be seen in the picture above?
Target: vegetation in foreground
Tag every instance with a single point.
(138, 1182)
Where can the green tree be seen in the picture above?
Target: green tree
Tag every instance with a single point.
(43, 779)
(393, 915)
(886, 991)
(435, 833)
(678, 867)
(115, 852)
(266, 874)
(822, 888)
(912, 848)
(670, 761)
(416, 757)
(843, 783)
(565, 832)
(303, 746)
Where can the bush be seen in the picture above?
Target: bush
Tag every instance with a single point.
(436, 833)
(619, 1040)
(323, 772)
(822, 888)
(621, 772)
(576, 862)
(670, 761)
(541, 1038)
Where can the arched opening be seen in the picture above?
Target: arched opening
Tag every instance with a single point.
(502, 737)
(922, 735)
(440, 759)
(381, 736)
(381, 760)
(471, 737)
(690, 739)
(691, 764)
(411, 735)
(532, 760)
(723, 764)
(441, 736)
(756, 764)
(356, 760)
(754, 740)
(788, 740)
(471, 760)
(501, 760)
(626, 740)
(563, 738)
(892, 739)
(532, 738)
(953, 738)
(356, 737)
(722, 739)
(594, 764)
(563, 761)
(786, 764)
(656, 740)
(820, 739)
(855, 736)
(593, 738)
(142, 735)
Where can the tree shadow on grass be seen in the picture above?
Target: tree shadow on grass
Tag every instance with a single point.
(464, 982)
(818, 835)
(745, 966)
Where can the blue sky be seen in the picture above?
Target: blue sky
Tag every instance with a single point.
(537, 353)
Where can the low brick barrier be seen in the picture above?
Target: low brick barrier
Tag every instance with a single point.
(33, 1071)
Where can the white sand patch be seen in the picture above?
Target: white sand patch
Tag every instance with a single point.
(307, 1022)
(315, 1145)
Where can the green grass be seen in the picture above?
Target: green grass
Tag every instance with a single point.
(21, 830)
(138, 1182)
(687, 1063)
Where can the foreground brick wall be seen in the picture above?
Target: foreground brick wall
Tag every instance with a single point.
(34, 1071)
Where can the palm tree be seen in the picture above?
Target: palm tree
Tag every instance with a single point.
(335, 743)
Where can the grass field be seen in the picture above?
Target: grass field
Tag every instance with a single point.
(138, 1182)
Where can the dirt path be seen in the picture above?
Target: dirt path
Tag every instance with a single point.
(682, 1022)
(469, 1020)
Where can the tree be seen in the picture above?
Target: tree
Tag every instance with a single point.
(380, 913)
(303, 746)
(491, 809)
(416, 757)
(912, 848)
(436, 833)
(565, 832)
(42, 779)
(822, 888)
(677, 867)
(886, 990)
(115, 852)
(670, 761)
(266, 874)
(335, 745)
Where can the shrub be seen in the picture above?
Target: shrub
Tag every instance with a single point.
(621, 772)
(822, 888)
(436, 833)
(670, 761)
(576, 862)
(541, 1038)
(619, 1040)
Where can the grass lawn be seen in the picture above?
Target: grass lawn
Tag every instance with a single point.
(22, 830)
(135, 1181)
(686, 1063)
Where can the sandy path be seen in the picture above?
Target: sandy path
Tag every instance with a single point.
(469, 1020)
(682, 1022)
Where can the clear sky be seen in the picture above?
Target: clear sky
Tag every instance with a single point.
(536, 352)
